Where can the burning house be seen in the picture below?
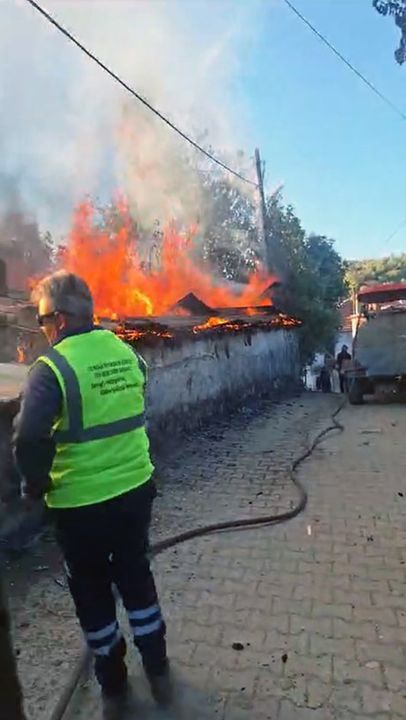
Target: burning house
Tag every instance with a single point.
(208, 344)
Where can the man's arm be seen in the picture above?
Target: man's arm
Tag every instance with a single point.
(34, 447)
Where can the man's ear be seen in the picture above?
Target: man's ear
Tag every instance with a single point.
(61, 322)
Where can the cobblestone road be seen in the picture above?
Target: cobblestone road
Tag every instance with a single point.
(316, 606)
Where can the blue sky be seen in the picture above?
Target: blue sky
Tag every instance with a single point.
(339, 151)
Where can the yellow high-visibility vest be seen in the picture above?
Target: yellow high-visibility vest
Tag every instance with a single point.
(102, 448)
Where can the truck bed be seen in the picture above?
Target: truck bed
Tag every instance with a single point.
(380, 344)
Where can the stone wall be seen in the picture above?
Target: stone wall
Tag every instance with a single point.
(215, 373)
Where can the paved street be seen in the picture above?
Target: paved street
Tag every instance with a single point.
(305, 621)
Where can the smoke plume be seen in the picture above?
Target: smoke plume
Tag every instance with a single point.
(67, 130)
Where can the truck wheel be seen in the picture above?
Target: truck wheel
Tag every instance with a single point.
(355, 394)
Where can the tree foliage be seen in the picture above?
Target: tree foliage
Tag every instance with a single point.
(312, 273)
(227, 218)
(229, 229)
(397, 10)
(388, 269)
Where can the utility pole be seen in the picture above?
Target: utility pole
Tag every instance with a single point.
(262, 206)
(11, 701)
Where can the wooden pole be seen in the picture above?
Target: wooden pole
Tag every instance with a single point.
(262, 206)
(11, 699)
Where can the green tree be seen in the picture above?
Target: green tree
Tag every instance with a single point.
(312, 273)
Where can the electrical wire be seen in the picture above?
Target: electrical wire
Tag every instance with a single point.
(395, 232)
(135, 94)
(346, 62)
(362, 77)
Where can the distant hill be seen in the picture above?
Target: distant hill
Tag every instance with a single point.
(387, 269)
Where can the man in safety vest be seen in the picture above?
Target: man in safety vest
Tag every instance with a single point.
(80, 442)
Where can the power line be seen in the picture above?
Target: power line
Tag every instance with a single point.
(346, 62)
(395, 232)
(133, 92)
(361, 77)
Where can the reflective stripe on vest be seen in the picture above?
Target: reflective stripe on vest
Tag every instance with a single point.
(76, 433)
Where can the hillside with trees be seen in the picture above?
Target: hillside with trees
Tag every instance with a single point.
(380, 270)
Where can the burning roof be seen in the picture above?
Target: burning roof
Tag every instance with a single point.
(190, 304)
(169, 329)
(151, 332)
(216, 321)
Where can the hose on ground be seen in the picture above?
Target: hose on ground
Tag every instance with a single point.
(83, 662)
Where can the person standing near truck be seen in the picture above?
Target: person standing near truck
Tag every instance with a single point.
(342, 359)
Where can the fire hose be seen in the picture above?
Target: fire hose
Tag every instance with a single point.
(84, 660)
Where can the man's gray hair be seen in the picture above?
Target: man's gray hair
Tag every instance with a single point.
(68, 293)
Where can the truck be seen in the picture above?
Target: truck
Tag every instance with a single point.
(378, 364)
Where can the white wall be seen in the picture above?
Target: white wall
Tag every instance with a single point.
(200, 376)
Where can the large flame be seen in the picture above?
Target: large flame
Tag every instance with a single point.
(122, 285)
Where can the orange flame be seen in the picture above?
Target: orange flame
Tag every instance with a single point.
(21, 355)
(210, 323)
(111, 262)
(132, 335)
(252, 311)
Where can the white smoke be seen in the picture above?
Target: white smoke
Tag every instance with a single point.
(67, 130)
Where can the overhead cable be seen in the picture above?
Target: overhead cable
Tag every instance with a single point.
(346, 62)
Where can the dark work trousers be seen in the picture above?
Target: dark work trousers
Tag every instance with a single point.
(343, 383)
(107, 544)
